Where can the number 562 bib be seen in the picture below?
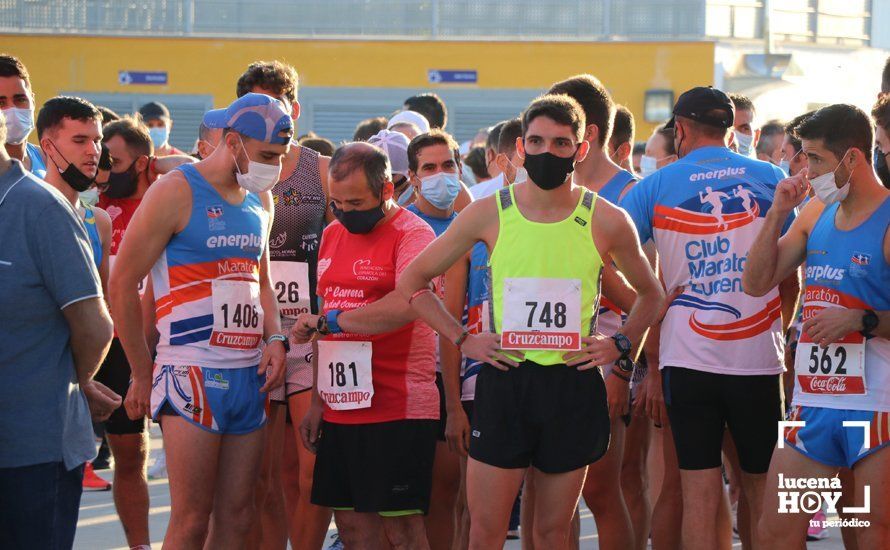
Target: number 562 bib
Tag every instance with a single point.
(542, 314)
(838, 369)
(344, 374)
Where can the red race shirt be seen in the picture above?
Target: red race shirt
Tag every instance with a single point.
(356, 270)
(121, 212)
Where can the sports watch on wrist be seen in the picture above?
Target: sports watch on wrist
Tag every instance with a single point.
(622, 343)
(870, 322)
(625, 364)
(279, 338)
(331, 321)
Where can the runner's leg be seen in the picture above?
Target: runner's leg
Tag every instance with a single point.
(873, 471)
(635, 479)
(130, 485)
(406, 532)
(192, 459)
(848, 498)
(603, 495)
(556, 500)
(309, 523)
(777, 530)
(667, 516)
(270, 531)
(491, 492)
(446, 481)
(361, 531)
(234, 510)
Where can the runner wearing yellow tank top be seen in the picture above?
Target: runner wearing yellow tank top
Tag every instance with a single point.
(540, 398)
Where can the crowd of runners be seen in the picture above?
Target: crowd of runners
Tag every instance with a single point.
(443, 345)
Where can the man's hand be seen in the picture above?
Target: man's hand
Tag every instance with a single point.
(138, 401)
(457, 431)
(790, 192)
(596, 350)
(618, 394)
(303, 329)
(650, 399)
(102, 401)
(833, 323)
(310, 427)
(486, 347)
(272, 365)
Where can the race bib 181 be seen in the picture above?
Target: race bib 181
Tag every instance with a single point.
(541, 314)
(344, 374)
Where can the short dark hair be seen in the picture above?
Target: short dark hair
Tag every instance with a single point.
(433, 137)
(769, 133)
(275, 76)
(594, 98)
(511, 130)
(475, 159)
(323, 146)
(742, 102)
(623, 127)
(789, 130)
(840, 127)
(668, 134)
(881, 113)
(134, 134)
(369, 127)
(59, 108)
(707, 130)
(107, 114)
(369, 158)
(494, 134)
(10, 65)
(154, 110)
(885, 78)
(430, 106)
(561, 109)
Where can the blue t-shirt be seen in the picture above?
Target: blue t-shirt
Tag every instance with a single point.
(439, 225)
(46, 264)
(703, 213)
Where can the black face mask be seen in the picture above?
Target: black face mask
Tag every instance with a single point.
(122, 184)
(547, 170)
(73, 176)
(358, 221)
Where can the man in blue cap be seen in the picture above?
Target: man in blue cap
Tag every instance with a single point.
(202, 230)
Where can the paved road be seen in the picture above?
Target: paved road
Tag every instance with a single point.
(99, 528)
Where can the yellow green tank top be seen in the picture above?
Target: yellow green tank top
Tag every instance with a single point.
(545, 280)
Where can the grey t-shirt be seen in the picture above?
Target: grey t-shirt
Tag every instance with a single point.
(45, 265)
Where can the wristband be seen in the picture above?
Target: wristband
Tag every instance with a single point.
(418, 293)
(461, 339)
(279, 338)
(621, 376)
(331, 318)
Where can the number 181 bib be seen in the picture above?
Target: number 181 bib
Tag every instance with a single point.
(344, 374)
(838, 369)
(542, 314)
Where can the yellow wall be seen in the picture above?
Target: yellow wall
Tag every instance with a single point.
(212, 66)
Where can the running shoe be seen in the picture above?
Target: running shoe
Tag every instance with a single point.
(817, 529)
(337, 544)
(158, 470)
(92, 482)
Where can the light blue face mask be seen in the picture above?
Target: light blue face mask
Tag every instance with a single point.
(159, 136)
(406, 195)
(440, 189)
(745, 144)
(785, 166)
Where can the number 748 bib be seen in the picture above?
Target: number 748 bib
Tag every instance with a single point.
(541, 314)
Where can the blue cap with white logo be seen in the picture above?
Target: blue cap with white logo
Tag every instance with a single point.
(257, 116)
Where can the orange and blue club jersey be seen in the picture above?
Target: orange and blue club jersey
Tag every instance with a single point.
(206, 282)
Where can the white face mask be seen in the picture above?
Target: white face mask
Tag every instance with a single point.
(785, 166)
(521, 175)
(90, 197)
(745, 144)
(648, 165)
(19, 123)
(260, 177)
(825, 186)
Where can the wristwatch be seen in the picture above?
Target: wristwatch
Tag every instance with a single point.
(870, 322)
(623, 344)
(625, 364)
(327, 323)
(279, 338)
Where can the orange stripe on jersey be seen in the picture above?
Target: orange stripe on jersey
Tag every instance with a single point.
(184, 295)
(179, 275)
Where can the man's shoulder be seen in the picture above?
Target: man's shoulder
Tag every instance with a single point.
(409, 222)
(35, 194)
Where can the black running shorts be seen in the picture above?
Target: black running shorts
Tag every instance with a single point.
(115, 374)
(554, 418)
(700, 404)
